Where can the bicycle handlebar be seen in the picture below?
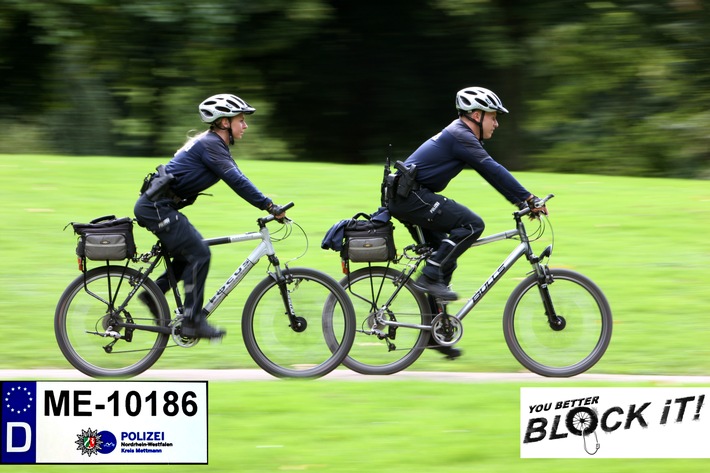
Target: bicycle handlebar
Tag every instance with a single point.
(264, 220)
(542, 203)
(287, 206)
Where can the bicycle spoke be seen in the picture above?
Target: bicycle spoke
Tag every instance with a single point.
(298, 349)
(87, 327)
(551, 351)
(378, 347)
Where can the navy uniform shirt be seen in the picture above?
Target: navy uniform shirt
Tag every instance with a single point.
(203, 162)
(444, 156)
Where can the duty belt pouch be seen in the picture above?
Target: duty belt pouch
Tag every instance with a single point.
(407, 178)
(391, 182)
(368, 241)
(157, 184)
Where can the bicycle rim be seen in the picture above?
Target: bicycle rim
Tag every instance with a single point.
(369, 289)
(558, 353)
(284, 352)
(87, 307)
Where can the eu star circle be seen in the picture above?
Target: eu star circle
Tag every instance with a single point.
(18, 399)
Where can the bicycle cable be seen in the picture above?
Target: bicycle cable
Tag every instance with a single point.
(536, 234)
(305, 250)
(548, 223)
(287, 229)
(544, 224)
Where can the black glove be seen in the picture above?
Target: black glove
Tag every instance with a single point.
(276, 210)
(536, 205)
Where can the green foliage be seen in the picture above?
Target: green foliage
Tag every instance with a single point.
(617, 99)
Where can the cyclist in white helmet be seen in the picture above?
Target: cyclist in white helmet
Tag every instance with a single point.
(200, 163)
(449, 227)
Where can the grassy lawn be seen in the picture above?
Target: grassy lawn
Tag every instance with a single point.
(387, 425)
(641, 240)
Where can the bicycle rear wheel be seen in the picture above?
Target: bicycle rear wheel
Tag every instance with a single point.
(390, 349)
(298, 351)
(87, 313)
(569, 349)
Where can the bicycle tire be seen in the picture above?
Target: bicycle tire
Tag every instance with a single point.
(287, 353)
(369, 288)
(88, 305)
(558, 353)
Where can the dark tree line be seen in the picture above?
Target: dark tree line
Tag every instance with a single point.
(600, 87)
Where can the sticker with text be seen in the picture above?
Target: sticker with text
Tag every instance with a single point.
(614, 422)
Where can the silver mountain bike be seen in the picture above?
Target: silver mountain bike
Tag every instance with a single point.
(114, 321)
(556, 322)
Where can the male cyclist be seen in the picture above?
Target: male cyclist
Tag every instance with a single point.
(449, 227)
(200, 163)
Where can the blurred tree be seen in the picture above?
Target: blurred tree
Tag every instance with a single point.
(366, 78)
(125, 78)
(612, 87)
(626, 91)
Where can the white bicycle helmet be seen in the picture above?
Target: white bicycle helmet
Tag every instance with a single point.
(223, 105)
(478, 98)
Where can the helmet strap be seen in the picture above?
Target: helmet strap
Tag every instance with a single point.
(479, 123)
(228, 128)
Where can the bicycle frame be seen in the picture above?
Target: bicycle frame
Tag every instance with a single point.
(264, 248)
(523, 249)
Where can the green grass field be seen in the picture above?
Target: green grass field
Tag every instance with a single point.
(641, 240)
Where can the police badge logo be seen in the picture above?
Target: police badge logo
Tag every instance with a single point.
(89, 442)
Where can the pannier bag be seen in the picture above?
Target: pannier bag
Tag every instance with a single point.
(363, 238)
(105, 238)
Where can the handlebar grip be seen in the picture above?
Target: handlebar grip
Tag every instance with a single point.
(527, 210)
(264, 220)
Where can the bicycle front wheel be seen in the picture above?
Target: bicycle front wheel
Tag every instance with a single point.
(87, 317)
(381, 349)
(299, 349)
(570, 348)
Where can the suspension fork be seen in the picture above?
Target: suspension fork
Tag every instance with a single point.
(544, 279)
(283, 278)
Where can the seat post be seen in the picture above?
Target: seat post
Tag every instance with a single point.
(420, 234)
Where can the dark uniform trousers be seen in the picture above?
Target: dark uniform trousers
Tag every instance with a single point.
(448, 227)
(191, 255)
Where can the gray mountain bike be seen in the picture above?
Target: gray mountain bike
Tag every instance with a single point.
(556, 322)
(114, 321)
